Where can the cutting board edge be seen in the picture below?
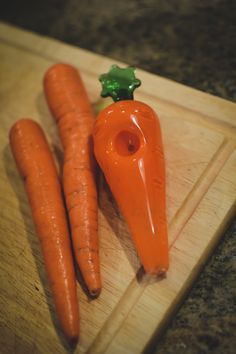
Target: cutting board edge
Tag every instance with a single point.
(114, 324)
(187, 287)
(193, 273)
(164, 88)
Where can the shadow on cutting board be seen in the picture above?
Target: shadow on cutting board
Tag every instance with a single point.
(50, 129)
(19, 190)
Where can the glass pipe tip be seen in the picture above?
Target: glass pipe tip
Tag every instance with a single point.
(119, 83)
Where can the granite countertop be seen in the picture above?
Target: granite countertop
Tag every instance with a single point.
(192, 42)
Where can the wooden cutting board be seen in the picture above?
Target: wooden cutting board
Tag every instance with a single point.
(199, 133)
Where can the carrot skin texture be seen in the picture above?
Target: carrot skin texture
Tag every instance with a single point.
(36, 166)
(128, 147)
(69, 104)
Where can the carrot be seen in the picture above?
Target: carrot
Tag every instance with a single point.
(128, 147)
(36, 166)
(69, 104)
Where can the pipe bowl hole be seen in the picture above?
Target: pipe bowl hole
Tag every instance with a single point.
(127, 143)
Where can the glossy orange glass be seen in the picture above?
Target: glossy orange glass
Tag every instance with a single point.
(128, 147)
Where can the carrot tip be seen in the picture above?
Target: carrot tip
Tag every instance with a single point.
(95, 292)
(73, 341)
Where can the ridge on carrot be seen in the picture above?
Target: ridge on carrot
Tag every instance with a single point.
(69, 104)
(128, 147)
(37, 168)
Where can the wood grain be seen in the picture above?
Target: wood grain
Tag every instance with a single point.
(199, 133)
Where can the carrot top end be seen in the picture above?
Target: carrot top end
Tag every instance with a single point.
(119, 83)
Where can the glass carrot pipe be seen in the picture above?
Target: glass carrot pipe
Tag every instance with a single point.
(128, 147)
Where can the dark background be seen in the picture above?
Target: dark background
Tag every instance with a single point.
(192, 42)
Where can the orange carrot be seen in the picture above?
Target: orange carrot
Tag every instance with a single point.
(69, 104)
(128, 147)
(36, 166)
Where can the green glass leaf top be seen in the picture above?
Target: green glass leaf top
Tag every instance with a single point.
(119, 83)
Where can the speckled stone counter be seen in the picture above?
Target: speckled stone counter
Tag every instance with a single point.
(192, 42)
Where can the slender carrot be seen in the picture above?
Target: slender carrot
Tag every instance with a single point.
(128, 147)
(69, 104)
(36, 166)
